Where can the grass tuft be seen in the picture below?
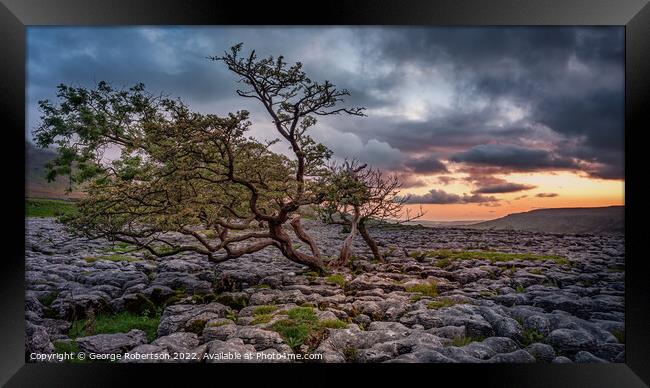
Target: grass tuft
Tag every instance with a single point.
(336, 279)
(492, 257)
(116, 323)
(430, 289)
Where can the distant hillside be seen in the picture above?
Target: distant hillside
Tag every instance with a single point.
(596, 220)
(36, 184)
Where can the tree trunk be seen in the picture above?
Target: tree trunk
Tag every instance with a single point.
(346, 248)
(287, 249)
(304, 237)
(370, 241)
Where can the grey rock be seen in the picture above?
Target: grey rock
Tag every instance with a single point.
(118, 343)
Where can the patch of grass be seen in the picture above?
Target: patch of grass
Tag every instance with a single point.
(336, 279)
(430, 289)
(536, 271)
(301, 324)
(493, 257)
(114, 258)
(65, 346)
(530, 336)
(464, 340)
(442, 263)
(416, 298)
(261, 318)
(116, 323)
(332, 324)
(620, 335)
(231, 315)
(442, 302)
(311, 275)
(520, 289)
(266, 309)
(49, 208)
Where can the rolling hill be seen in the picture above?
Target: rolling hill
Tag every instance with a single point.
(595, 220)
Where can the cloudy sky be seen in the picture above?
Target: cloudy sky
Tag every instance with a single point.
(479, 122)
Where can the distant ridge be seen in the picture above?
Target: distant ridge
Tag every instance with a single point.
(36, 184)
(595, 220)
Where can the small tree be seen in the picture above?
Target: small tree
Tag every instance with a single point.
(359, 195)
(195, 174)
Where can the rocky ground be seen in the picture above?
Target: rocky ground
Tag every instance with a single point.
(414, 307)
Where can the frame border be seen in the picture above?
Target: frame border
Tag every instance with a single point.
(15, 15)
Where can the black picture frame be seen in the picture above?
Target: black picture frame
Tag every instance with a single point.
(15, 15)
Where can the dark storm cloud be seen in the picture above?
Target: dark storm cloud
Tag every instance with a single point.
(426, 165)
(436, 196)
(513, 157)
(500, 188)
(449, 91)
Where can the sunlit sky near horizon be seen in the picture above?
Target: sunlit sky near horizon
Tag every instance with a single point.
(479, 122)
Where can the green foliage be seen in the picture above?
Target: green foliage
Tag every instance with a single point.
(49, 208)
(492, 257)
(116, 323)
(520, 289)
(430, 289)
(336, 279)
(442, 263)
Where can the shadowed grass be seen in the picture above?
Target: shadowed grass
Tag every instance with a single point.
(117, 323)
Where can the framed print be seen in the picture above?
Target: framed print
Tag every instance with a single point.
(439, 185)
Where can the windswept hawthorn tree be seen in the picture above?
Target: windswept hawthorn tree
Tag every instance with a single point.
(358, 195)
(191, 173)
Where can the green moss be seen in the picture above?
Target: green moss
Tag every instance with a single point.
(116, 323)
(430, 289)
(114, 258)
(336, 279)
(311, 275)
(488, 293)
(266, 309)
(49, 208)
(442, 302)
(536, 271)
(520, 289)
(232, 316)
(492, 257)
(416, 298)
(530, 336)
